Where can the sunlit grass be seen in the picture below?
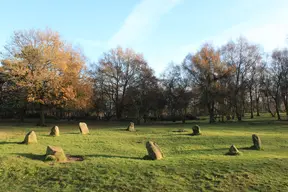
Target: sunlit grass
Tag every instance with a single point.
(113, 158)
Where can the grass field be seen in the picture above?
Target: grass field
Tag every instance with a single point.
(113, 158)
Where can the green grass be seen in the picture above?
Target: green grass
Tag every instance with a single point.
(113, 158)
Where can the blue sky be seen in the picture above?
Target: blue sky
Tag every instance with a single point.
(163, 30)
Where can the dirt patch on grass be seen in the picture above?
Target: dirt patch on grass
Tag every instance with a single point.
(71, 158)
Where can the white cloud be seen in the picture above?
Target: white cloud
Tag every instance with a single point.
(141, 21)
(269, 35)
(270, 32)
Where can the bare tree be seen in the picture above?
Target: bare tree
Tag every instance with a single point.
(176, 91)
(244, 57)
(117, 71)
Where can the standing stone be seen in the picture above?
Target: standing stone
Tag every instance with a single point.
(154, 151)
(55, 153)
(55, 131)
(256, 142)
(131, 127)
(233, 150)
(83, 128)
(196, 130)
(30, 138)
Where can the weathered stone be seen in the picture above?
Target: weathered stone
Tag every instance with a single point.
(256, 142)
(30, 138)
(233, 150)
(131, 127)
(154, 151)
(83, 128)
(57, 153)
(196, 130)
(55, 131)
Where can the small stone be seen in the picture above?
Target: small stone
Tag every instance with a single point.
(30, 138)
(196, 130)
(131, 127)
(233, 150)
(256, 142)
(83, 128)
(154, 151)
(57, 152)
(55, 131)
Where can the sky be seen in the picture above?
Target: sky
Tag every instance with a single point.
(162, 30)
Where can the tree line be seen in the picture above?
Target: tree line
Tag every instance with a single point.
(43, 75)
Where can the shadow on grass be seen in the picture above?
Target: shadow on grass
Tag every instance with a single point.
(51, 136)
(249, 148)
(113, 156)
(31, 156)
(211, 149)
(7, 142)
(74, 133)
(186, 134)
(124, 130)
(233, 154)
(180, 131)
(47, 135)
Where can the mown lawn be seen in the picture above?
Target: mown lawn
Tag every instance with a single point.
(113, 158)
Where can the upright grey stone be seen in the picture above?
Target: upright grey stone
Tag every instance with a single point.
(83, 128)
(154, 151)
(55, 131)
(30, 138)
(233, 150)
(131, 127)
(256, 142)
(196, 130)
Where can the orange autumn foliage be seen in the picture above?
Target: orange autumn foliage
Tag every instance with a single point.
(47, 67)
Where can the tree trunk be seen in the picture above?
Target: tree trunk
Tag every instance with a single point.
(277, 109)
(184, 116)
(257, 107)
(42, 115)
(138, 117)
(251, 105)
(238, 112)
(22, 114)
(145, 118)
(268, 107)
(118, 112)
(243, 105)
(173, 118)
(286, 105)
(138, 121)
(183, 120)
(211, 113)
(239, 117)
(62, 115)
